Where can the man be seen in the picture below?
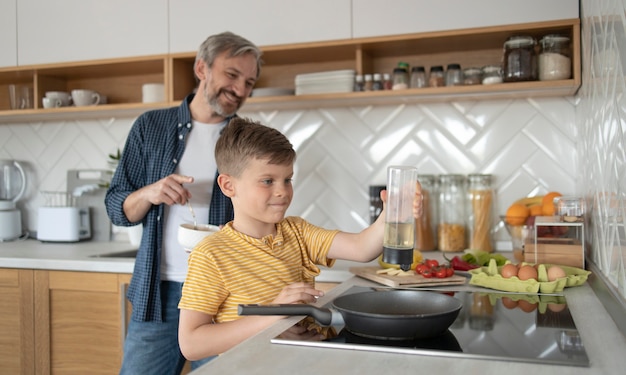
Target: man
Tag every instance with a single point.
(168, 163)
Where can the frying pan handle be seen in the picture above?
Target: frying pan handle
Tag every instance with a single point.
(323, 315)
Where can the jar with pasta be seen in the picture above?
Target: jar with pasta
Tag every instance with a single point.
(425, 225)
(480, 206)
(451, 225)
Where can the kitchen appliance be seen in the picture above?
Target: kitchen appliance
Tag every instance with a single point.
(12, 187)
(395, 314)
(91, 186)
(61, 220)
(491, 325)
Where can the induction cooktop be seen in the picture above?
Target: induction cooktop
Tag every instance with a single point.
(491, 325)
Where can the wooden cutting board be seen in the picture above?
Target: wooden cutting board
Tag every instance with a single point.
(416, 280)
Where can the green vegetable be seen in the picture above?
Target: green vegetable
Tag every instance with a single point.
(482, 258)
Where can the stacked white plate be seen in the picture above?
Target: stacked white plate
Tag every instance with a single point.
(325, 82)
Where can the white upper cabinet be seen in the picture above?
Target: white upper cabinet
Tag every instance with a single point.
(75, 30)
(267, 22)
(8, 33)
(383, 17)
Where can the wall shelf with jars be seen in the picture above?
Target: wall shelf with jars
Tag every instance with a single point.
(121, 80)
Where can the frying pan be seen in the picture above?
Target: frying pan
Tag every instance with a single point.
(393, 314)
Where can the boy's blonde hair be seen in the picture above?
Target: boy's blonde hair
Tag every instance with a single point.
(243, 140)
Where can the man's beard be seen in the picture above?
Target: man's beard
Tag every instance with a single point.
(213, 101)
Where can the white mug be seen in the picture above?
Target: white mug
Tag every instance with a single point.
(63, 96)
(153, 92)
(188, 236)
(83, 98)
(51, 102)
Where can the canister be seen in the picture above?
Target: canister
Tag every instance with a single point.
(451, 226)
(436, 77)
(418, 77)
(426, 225)
(454, 75)
(555, 58)
(480, 207)
(520, 59)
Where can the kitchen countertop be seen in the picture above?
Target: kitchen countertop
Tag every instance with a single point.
(87, 256)
(604, 343)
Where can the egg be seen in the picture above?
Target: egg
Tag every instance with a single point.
(508, 270)
(527, 272)
(555, 272)
(509, 303)
(526, 306)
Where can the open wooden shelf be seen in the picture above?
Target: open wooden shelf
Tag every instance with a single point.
(121, 79)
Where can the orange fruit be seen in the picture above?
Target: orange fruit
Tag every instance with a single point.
(547, 203)
(536, 210)
(517, 214)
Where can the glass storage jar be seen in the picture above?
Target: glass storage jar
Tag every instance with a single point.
(418, 77)
(555, 60)
(520, 59)
(400, 79)
(451, 225)
(425, 225)
(472, 76)
(454, 75)
(480, 207)
(436, 77)
(492, 74)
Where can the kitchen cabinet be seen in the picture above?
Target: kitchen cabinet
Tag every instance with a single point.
(8, 30)
(17, 341)
(56, 31)
(379, 17)
(65, 322)
(121, 79)
(267, 22)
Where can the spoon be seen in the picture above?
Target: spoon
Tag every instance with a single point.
(193, 215)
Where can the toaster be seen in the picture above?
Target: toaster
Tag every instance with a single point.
(63, 224)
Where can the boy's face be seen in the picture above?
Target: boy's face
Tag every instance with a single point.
(263, 192)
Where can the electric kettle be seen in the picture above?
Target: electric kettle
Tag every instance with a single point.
(12, 187)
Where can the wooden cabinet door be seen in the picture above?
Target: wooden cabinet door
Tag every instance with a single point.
(381, 17)
(80, 320)
(8, 33)
(264, 23)
(17, 348)
(59, 31)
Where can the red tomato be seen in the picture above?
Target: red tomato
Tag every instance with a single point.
(420, 268)
(440, 272)
(449, 271)
(432, 263)
(427, 273)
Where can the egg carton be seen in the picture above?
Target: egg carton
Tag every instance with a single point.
(489, 277)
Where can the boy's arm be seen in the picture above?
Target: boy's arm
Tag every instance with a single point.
(368, 244)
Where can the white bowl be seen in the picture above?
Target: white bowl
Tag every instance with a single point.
(188, 237)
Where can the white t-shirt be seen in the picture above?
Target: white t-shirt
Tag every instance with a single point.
(198, 161)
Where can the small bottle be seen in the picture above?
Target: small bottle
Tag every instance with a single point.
(492, 74)
(472, 76)
(387, 82)
(418, 77)
(377, 85)
(436, 77)
(400, 79)
(368, 83)
(520, 59)
(555, 58)
(454, 75)
(358, 83)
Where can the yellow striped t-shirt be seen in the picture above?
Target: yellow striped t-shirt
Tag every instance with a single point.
(230, 268)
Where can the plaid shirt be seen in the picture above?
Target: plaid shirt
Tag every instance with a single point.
(155, 144)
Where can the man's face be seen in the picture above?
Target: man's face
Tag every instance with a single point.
(229, 82)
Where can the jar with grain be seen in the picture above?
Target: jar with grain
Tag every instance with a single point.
(555, 58)
(520, 59)
(436, 77)
(451, 225)
(472, 76)
(400, 79)
(480, 207)
(425, 226)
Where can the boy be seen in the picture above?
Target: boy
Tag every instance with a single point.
(260, 256)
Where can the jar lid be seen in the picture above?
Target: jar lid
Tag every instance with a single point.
(476, 177)
(436, 68)
(491, 68)
(458, 178)
(403, 65)
(377, 77)
(399, 70)
(454, 66)
(555, 38)
(471, 70)
(520, 41)
(418, 69)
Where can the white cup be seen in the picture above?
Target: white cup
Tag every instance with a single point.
(188, 237)
(153, 92)
(83, 98)
(51, 102)
(63, 96)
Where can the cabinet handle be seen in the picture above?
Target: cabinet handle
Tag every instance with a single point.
(123, 315)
